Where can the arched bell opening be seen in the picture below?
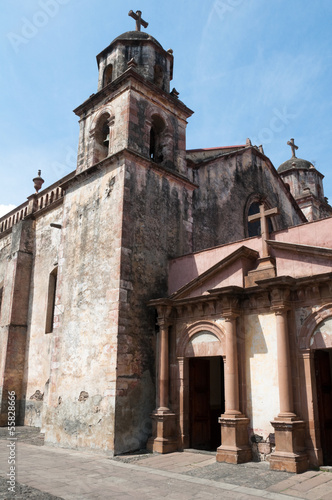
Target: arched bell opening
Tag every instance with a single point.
(102, 138)
(157, 139)
(108, 75)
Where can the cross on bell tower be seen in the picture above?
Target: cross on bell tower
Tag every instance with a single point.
(138, 18)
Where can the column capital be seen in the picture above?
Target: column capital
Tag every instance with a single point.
(164, 315)
(306, 354)
(280, 309)
(230, 315)
(230, 306)
(280, 298)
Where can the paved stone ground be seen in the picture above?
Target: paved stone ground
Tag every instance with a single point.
(47, 473)
(204, 465)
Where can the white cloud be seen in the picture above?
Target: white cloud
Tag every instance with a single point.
(5, 209)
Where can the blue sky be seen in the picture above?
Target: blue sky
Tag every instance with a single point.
(248, 68)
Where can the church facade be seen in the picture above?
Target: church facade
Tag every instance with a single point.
(169, 298)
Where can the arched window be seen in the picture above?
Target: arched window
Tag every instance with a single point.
(102, 138)
(51, 300)
(254, 228)
(156, 139)
(108, 74)
(158, 75)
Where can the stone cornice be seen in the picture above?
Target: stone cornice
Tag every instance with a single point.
(276, 294)
(302, 249)
(133, 156)
(96, 99)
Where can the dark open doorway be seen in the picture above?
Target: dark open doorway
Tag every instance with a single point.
(323, 369)
(207, 401)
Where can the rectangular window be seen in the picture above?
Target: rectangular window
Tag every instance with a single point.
(51, 301)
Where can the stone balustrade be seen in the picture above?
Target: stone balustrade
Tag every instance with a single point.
(35, 203)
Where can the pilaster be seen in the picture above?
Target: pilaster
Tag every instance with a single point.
(164, 432)
(14, 316)
(234, 425)
(289, 454)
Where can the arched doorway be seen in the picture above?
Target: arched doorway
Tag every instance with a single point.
(206, 401)
(202, 394)
(316, 342)
(323, 373)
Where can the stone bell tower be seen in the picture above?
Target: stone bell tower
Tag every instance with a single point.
(133, 107)
(127, 211)
(305, 183)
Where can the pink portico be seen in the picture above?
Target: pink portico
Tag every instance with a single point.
(245, 350)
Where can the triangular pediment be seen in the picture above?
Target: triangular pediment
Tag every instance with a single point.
(229, 271)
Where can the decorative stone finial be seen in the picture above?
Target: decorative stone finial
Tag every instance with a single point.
(38, 182)
(261, 149)
(138, 18)
(292, 145)
(248, 143)
(175, 93)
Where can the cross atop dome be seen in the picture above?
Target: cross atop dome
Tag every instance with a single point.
(292, 145)
(138, 18)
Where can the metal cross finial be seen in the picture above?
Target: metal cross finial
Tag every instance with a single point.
(138, 18)
(292, 145)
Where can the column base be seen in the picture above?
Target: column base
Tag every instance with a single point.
(289, 454)
(289, 462)
(164, 438)
(234, 447)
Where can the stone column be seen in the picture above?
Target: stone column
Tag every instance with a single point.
(289, 429)
(163, 381)
(231, 368)
(183, 406)
(234, 425)
(309, 391)
(284, 367)
(164, 438)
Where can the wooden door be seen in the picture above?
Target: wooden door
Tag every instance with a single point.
(324, 396)
(199, 397)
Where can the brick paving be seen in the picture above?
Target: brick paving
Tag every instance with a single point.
(48, 473)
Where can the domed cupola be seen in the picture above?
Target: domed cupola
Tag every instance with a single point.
(305, 183)
(149, 58)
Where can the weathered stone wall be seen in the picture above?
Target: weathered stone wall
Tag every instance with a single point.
(5, 247)
(225, 187)
(14, 312)
(299, 179)
(117, 111)
(143, 107)
(156, 227)
(80, 410)
(5, 243)
(146, 57)
(38, 349)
